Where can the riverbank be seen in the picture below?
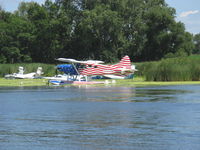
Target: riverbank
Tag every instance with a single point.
(22, 82)
(138, 81)
(171, 69)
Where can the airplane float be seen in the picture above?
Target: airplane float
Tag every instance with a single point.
(77, 72)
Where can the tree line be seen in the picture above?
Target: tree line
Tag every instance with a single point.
(106, 30)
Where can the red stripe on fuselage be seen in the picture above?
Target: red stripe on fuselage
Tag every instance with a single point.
(100, 69)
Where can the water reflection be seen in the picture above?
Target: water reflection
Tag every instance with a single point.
(129, 94)
(100, 118)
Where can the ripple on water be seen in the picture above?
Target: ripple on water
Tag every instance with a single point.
(145, 118)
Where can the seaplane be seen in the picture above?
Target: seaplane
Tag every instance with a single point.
(80, 72)
(21, 75)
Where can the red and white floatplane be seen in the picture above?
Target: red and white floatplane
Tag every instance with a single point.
(81, 72)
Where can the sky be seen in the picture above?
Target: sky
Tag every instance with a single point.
(12, 5)
(187, 11)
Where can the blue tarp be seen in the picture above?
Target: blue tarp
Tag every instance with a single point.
(67, 69)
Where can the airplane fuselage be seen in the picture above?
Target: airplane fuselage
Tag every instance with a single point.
(99, 69)
(93, 68)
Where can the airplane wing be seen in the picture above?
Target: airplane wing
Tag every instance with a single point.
(93, 62)
(81, 62)
(68, 60)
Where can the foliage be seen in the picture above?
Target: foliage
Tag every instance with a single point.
(196, 40)
(92, 29)
(173, 69)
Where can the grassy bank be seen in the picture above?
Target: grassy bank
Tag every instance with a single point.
(173, 69)
(138, 81)
(22, 82)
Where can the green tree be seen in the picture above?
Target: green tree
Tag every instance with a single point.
(96, 29)
(99, 33)
(13, 31)
(158, 18)
(196, 41)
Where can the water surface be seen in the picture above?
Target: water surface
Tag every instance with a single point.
(100, 118)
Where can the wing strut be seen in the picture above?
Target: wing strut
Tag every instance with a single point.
(75, 68)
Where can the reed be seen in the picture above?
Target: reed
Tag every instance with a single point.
(173, 69)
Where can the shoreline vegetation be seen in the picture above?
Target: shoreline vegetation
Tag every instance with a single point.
(171, 71)
(22, 82)
(137, 81)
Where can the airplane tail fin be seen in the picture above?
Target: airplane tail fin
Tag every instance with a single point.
(125, 62)
(125, 66)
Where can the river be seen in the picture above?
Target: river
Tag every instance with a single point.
(100, 118)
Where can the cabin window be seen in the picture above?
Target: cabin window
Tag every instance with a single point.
(89, 66)
(82, 66)
(95, 67)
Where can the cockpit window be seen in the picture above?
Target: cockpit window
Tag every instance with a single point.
(82, 66)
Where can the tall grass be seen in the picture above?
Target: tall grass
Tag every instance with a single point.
(173, 69)
(48, 69)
